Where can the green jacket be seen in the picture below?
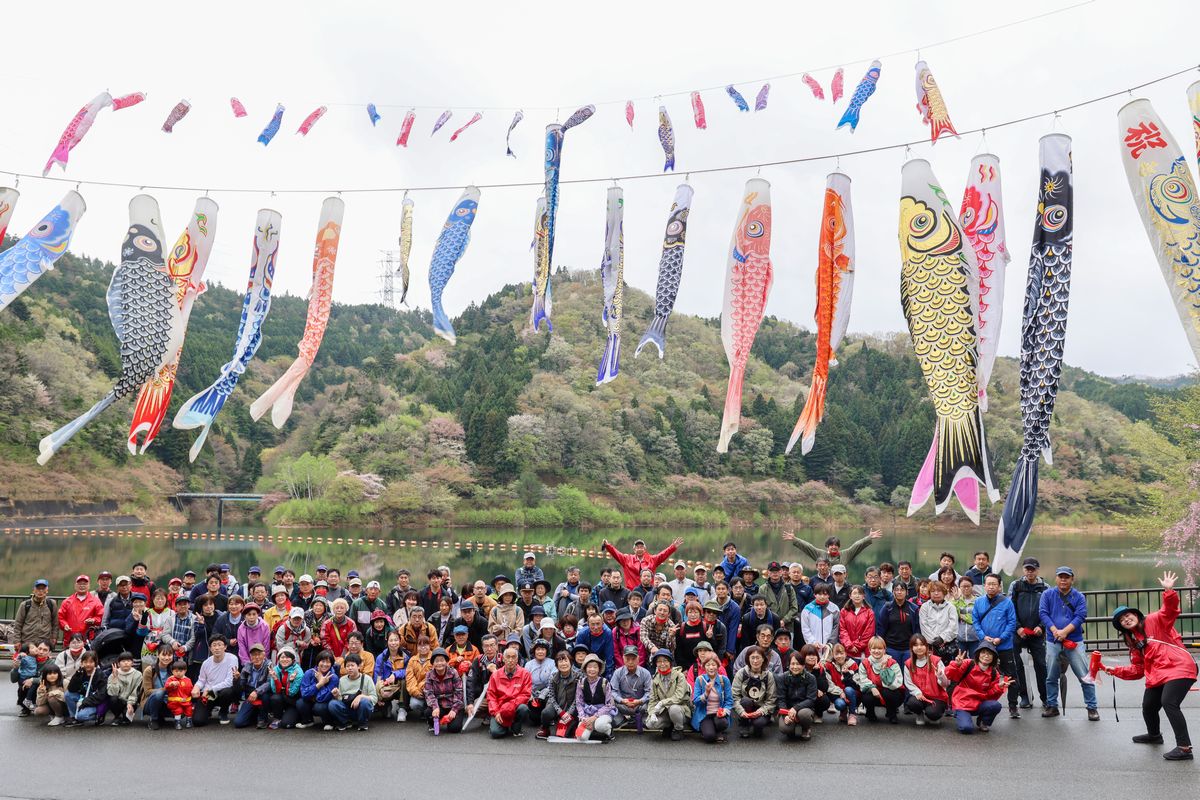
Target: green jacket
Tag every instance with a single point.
(848, 554)
(672, 690)
(783, 603)
(760, 688)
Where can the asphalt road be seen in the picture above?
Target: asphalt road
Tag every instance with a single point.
(1063, 758)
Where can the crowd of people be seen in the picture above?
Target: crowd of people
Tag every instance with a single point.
(705, 651)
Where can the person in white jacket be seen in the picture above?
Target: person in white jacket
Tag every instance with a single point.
(939, 622)
(819, 619)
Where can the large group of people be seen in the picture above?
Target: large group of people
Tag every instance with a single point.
(709, 652)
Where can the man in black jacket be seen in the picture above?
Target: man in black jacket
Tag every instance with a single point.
(1026, 595)
(476, 625)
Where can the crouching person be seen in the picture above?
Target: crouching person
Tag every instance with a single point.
(286, 678)
(594, 701)
(316, 692)
(215, 686)
(508, 693)
(443, 695)
(712, 699)
(630, 690)
(669, 706)
(979, 686)
(797, 697)
(558, 715)
(87, 692)
(254, 689)
(354, 698)
(124, 689)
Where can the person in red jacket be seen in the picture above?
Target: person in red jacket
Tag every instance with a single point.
(856, 624)
(337, 629)
(81, 612)
(1156, 652)
(980, 685)
(633, 563)
(508, 693)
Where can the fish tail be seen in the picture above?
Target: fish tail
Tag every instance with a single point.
(610, 362)
(281, 395)
(199, 412)
(961, 453)
(50, 445)
(59, 156)
(149, 412)
(441, 323)
(732, 415)
(810, 417)
(967, 491)
(849, 118)
(1017, 520)
(923, 485)
(541, 310)
(670, 165)
(656, 335)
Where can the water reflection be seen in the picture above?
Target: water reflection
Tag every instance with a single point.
(1108, 559)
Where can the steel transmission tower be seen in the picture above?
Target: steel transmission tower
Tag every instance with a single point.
(387, 271)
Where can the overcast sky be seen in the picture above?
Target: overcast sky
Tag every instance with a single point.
(539, 56)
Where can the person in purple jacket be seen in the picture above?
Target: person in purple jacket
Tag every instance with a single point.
(253, 630)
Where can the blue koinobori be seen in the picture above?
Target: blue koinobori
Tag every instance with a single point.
(451, 244)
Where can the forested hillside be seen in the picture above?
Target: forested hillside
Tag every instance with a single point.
(508, 427)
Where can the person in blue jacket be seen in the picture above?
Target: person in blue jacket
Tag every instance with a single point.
(316, 691)
(712, 702)
(733, 564)
(1063, 610)
(598, 639)
(995, 619)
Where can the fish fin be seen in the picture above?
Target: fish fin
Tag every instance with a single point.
(967, 491)
(149, 412)
(113, 298)
(983, 399)
(1016, 522)
(656, 335)
(833, 362)
(810, 417)
(732, 416)
(441, 324)
(50, 444)
(923, 485)
(610, 361)
(1046, 454)
(281, 395)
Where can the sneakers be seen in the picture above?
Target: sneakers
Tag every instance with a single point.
(1050, 711)
(1026, 704)
(805, 735)
(1179, 754)
(362, 726)
(921, 722)
(818, 721)
(543, 734)
(55, 722)
(1013, 713)
(153, 725)
(1148, 738)
(27, 703)
(517, 734)
(24, 712)
(327, 728)
(676, 734)
(1093, 715)
(401, 714)
(851, 719)
(303, 725)
(178, 724)
(187, 722)
(345, 726)
(224, 720)
(261, 725)
(274, 725)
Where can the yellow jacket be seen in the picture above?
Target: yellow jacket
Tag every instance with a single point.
(414, 675)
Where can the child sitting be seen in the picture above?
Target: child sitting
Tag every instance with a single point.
(881, 681)
(178, 690)
(27, 671)
(840, 669)
(124, 689)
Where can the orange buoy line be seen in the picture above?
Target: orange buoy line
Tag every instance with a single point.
(288, 538)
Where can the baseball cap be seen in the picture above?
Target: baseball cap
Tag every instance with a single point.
(642, 542)
(466, 605)
(104, 574)
(191, 572)
(40, 582)
(839, 568)
(529, 554)
(630, 650)
(774, 566)
(1032, 562)
(538, 610)
(356, 581)
(1065, 571)
(280, 569)
(296, 611)
(608, 606)
(526, 587)
(700, 568)
(322, 584)
(322, 568)
(123, 579)
(306, 578)
(680, 565)
(83, 578)
(352, 573)
(223, 567)
(257, 646)
(461, 629)
(373, 585)
(254, 571)
(175, 581)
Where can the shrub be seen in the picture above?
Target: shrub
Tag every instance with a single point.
(544, 516)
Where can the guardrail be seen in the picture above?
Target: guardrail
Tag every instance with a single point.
(1098, 631)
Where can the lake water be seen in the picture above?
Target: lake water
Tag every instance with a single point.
(1102, 559)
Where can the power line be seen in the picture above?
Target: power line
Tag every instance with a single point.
(632, 177)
